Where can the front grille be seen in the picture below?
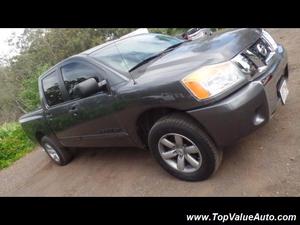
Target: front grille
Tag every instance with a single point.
(261, 49)
(258, 53)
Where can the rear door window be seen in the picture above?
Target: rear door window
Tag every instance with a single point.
(51, 89)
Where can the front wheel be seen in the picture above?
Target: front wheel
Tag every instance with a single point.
(183, 149)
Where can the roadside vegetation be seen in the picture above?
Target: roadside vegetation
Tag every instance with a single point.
(39, 49)
(13, 143)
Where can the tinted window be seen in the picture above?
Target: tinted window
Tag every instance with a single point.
(76, 72)
(51, 89)
(127, 53)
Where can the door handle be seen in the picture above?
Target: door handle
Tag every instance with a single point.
(73, 110)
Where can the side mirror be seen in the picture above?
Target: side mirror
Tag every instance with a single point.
(102, 85)
(88, 87)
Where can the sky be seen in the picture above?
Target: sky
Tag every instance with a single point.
(5, 34)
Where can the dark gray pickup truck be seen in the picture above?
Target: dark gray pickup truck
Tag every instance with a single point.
(184, 100)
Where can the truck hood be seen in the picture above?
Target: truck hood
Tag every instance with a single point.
(220, 47)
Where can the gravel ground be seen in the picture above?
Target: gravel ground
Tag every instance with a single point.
(266, 163)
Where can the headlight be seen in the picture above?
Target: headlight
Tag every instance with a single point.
(212, 80)
(269, 39)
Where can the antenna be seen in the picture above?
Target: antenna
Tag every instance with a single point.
(134, 82)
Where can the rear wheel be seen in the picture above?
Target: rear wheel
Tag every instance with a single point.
(183, 149)
(57, 153)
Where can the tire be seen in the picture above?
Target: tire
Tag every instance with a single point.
(204, 151)
(62, 156)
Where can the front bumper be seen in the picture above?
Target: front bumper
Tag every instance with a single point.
(247, 109)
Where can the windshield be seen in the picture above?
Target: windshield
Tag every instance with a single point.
(127, 53)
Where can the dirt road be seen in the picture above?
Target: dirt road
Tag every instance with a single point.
(266, 163)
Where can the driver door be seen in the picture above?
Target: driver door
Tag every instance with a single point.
(89, 121)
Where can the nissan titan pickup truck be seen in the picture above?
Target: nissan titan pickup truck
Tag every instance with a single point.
(183, 100)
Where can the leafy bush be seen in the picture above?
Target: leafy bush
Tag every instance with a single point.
(13, 144)
(29, 92)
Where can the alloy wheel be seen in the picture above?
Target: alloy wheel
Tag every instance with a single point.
(52, 153)
(180, 152)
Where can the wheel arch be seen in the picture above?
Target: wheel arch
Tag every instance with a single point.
(39, 135)
(149, 117)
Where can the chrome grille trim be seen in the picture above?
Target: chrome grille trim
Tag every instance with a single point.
(258, 59)
(254, 58)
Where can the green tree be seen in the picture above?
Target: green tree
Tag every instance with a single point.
(40, 49)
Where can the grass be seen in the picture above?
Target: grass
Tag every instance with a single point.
(14, 144)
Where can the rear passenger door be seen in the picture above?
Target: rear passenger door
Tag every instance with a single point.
(85, 122)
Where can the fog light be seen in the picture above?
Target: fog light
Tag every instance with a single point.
(258, 119)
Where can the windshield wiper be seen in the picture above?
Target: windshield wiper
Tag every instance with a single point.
(144, 62)
(172, 47)
(155, 56)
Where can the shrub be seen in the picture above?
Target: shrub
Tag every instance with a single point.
(29, 92)
(13, 143)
